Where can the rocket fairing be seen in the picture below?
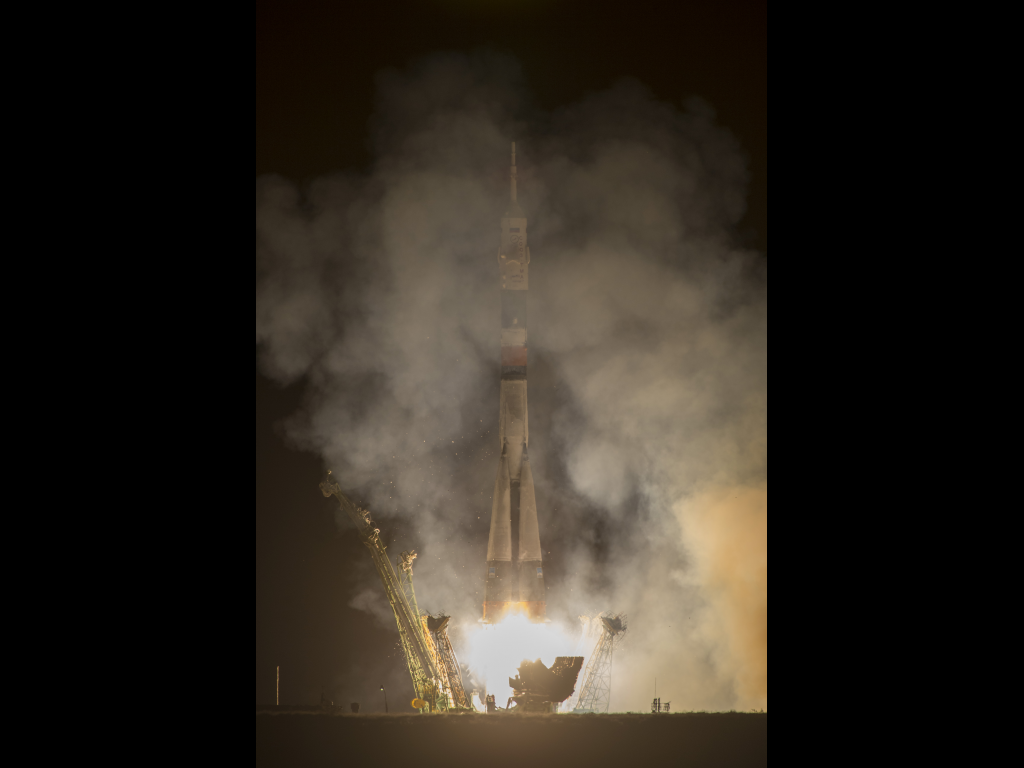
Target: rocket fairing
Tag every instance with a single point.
(514, 584)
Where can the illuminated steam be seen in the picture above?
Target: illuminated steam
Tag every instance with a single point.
(648, 360)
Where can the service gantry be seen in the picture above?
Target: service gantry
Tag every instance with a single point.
(417, 644)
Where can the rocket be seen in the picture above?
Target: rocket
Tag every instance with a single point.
(513, 585)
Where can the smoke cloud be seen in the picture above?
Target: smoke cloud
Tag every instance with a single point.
(648, 358)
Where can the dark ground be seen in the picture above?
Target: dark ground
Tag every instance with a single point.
(294, 738)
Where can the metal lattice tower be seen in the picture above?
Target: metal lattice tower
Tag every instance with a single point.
(590, 634)
(405, 578)
(447, 664)
(438, 692)
(596, 694)
(416, 643)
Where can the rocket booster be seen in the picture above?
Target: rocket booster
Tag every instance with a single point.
(514, 584)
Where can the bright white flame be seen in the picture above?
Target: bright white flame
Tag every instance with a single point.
(497, 650)
(478, 703)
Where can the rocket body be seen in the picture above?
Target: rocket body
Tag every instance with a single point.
(514, 580)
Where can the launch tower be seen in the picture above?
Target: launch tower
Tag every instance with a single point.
(514, 585)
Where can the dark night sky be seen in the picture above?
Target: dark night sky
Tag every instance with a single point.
(315, 67)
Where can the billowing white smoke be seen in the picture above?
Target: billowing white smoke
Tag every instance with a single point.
(648, 368)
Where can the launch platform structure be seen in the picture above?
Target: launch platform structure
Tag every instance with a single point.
(596, 693)
(590, 633)
(447, 663)
(440, 647)
(416, 642)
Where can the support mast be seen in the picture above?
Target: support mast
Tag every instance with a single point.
(415, 641)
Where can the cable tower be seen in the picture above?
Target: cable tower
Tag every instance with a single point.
(596, 694)
(590, 633)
